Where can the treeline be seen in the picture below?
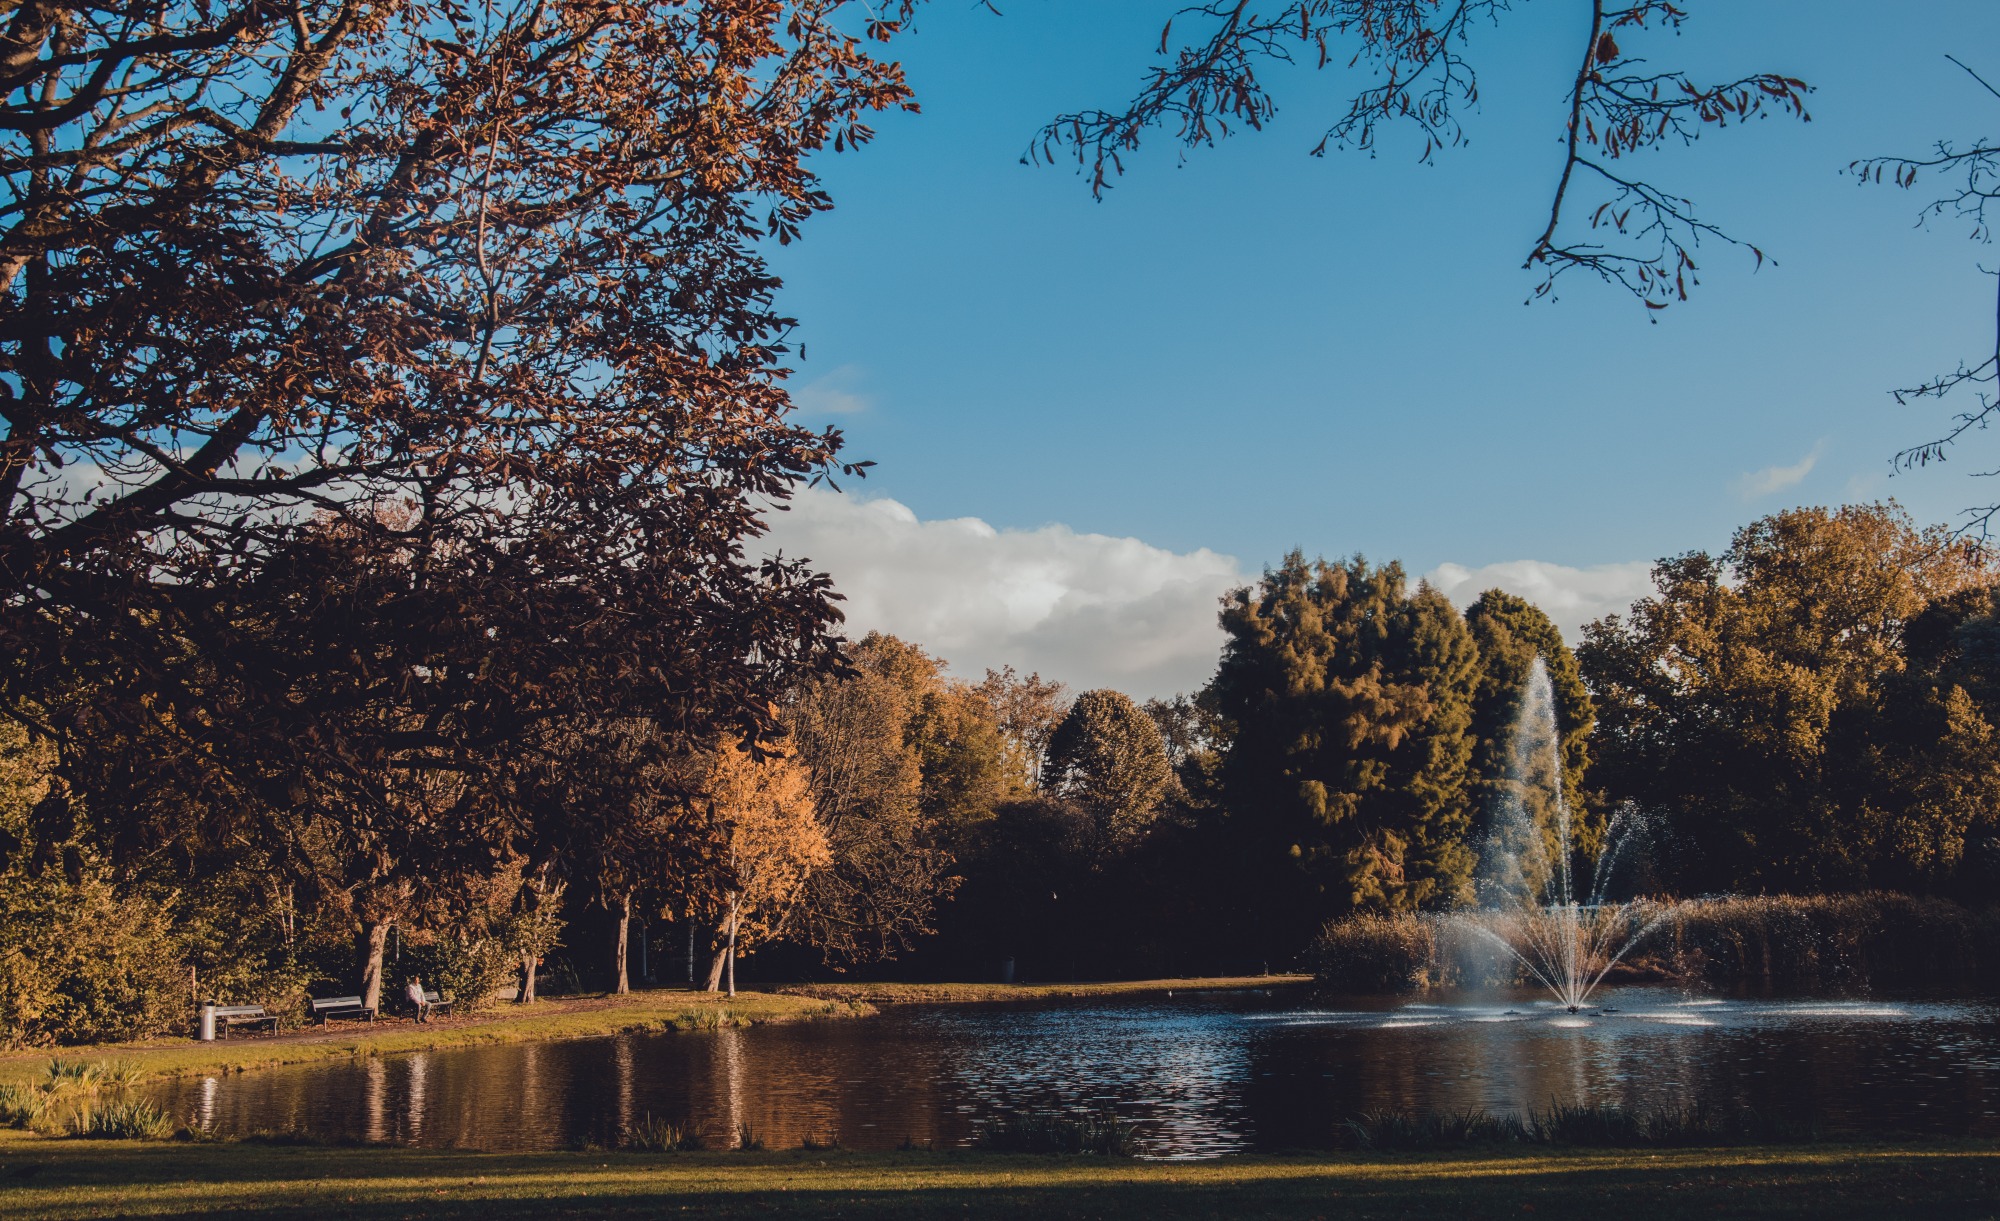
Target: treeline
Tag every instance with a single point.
(1812, 711)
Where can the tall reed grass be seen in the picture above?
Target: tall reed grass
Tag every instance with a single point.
(1832, 942)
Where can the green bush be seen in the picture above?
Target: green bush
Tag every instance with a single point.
(466, 971)
(81, 963)
(22, 1105)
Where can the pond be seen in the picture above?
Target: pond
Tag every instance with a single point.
(1201, 1074)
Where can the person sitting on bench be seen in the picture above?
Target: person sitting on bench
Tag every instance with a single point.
(415, 991)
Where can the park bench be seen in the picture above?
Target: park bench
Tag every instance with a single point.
(439, 1008)
(326, 1008)
(229, 1017)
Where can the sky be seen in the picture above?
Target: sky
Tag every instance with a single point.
(1090, 419)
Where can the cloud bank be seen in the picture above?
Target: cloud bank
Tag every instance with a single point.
(1088, 609)
(1570, 596)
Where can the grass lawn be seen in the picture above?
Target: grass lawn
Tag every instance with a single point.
(50, 1178)
(565, 1018)
(572, 1018)
(958, 994)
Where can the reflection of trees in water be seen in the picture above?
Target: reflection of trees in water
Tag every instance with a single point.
(1197, 1080)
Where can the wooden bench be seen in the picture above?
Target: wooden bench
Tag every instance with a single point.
(326, 1008)
(229, 1017)
(437, 1007)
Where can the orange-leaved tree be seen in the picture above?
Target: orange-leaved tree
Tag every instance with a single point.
(761, 811)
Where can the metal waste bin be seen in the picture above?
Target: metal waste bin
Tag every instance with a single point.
(206, 1031)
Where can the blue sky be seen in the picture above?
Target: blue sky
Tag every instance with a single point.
(1250, 349)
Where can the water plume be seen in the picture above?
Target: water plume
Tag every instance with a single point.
(1567, 940)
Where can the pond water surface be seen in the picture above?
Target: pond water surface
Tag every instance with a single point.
(1201, 1074)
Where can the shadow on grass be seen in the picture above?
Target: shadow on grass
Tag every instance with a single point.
(65, 1179)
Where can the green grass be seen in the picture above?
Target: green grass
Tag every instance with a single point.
(45, 1178)
(959, 994)
(568, 1018)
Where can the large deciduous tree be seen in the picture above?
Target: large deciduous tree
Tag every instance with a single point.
(888, 872)
(385, 380)
(1746, 700)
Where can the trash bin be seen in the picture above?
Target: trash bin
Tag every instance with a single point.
(206, 1032)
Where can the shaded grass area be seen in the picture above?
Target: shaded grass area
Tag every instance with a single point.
(569, 1018)
(958, 994)
(42, 1178)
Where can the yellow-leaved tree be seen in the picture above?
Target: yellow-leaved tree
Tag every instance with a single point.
(761, 810)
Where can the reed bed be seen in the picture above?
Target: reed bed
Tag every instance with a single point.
(1809, 942)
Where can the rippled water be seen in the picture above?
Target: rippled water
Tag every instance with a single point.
(1203, 1074)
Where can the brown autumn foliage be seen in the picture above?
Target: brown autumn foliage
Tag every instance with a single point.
(761, 812)
(387, 381)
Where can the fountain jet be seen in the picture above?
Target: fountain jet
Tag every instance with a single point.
(1530, 907)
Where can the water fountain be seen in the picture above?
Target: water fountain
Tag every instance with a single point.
(1529, 903)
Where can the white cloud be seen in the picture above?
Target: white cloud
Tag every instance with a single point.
(1089, 609)
(1570, 596)
(835, 392)
(1777, 478)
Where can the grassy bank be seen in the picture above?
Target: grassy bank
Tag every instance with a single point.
(959, 994)
(42, 1178)
(567, 1018)
(572, 1018)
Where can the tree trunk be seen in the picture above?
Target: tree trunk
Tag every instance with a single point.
(732, 947)
(624, 983)
(715, 970)
(369, 945)
(528, 965)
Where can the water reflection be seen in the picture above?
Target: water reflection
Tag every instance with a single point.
(1203, 1075)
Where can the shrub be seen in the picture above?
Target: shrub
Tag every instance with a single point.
(466, 971)
(136, 1119)
(1105, 1135)
(80, 963)
(22, 1105)
(653, 1135)
(1377, 954)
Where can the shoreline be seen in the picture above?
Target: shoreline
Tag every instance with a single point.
(554, 1019)
(48, 1179)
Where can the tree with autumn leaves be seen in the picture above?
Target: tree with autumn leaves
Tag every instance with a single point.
(1810, 710)
(391, 389)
